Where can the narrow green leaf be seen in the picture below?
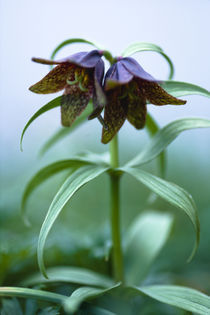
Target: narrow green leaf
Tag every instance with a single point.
(165, 136)
(71, 41)
(74, 182)
(65, 131)
(69, 275)
(172, 193)
(143, 242)
(44, 174)
(153, 128)
(138, 47)
(178, 89)
(181, 297)
(71, 304)
(32, 293)
(52, 104)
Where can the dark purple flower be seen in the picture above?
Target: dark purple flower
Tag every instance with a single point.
(128, 88)
(80, 75)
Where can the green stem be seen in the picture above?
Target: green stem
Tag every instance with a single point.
(115, 213)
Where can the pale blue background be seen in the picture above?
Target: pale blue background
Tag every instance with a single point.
(34, 28)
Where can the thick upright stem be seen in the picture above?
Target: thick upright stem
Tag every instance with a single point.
(117, 257)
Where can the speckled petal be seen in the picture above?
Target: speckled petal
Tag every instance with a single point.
(137, 110)
(45, 61)
(55, 80)
(73, 102)
(156, 95)
(114, 115)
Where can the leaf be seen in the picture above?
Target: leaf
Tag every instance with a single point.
(52, 104)
(65, 131)
(32, 293)
(181, 297)
(153, 128)
(172, 193)
(44, 174)
(71, 41)
(165, 136)
(143, 242)
(70, 275)
(11, 307)
(138, 47)
(178, 89)
(71, 304)
(75, 181)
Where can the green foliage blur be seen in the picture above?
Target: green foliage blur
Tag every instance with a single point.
(81, 235)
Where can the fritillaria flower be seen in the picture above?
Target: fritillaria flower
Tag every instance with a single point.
(80, 75)
(128, 88)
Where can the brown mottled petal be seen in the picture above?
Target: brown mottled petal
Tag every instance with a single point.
(73, 103)
(45, 61)
(137, 110)
(114, 115)
(156, 95)
(55, 80)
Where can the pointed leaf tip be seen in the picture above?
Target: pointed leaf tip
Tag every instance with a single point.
(52, 104)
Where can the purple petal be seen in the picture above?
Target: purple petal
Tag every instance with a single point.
(117, 75)
(84, 59)
(135, 69)
(99, 98)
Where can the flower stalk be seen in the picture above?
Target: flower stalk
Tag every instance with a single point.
(117, 257)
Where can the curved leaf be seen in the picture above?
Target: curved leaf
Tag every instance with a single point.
(32, 293)
(153, 128)
(138, 47)
(65, 131)
(165, 136)
(143, 242)
(45, 173)
(70, 275)
(74, 182)
(71, 304)
(172, 193)
(178, 89)
(52, 104)
(181, 297)
(71, 41)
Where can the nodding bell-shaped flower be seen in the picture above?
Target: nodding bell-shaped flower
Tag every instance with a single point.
(128, 88)
(81, 76)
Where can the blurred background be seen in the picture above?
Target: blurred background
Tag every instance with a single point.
(34, 28)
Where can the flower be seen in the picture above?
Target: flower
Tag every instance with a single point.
(128, 87)
(80, 75)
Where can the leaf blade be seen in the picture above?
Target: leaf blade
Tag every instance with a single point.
(178, 88)
(71, 41)
(147, 235)
(32, 293)
(80, 295)
(181, 297)
(74, 182)
(46, 172)
(52, 104)
(165, 136)
(173, 194)
(66, 274)
(143, 46)
(65, 131)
